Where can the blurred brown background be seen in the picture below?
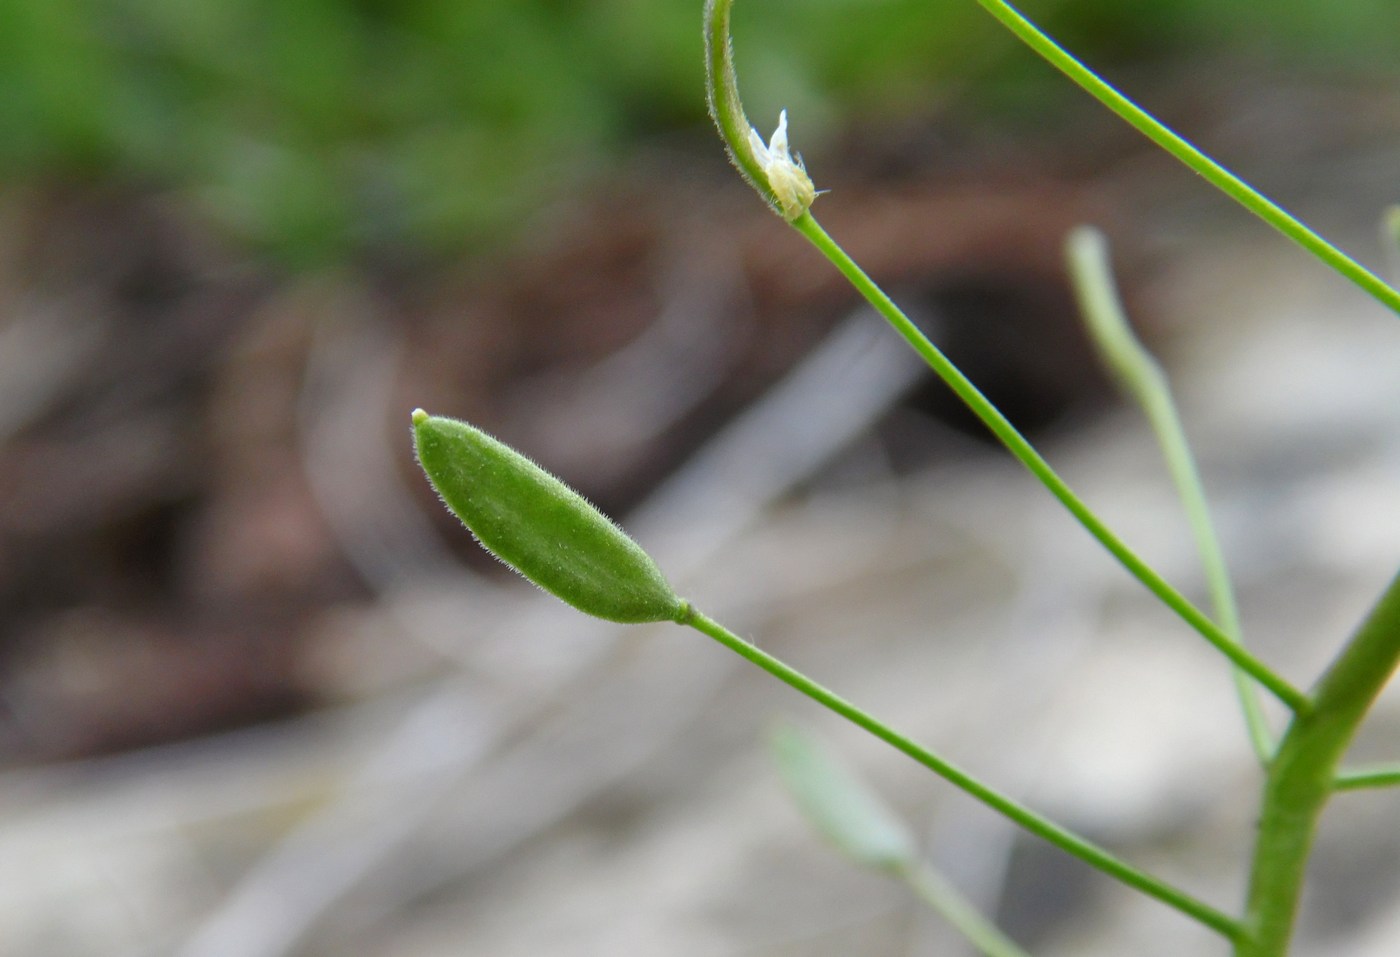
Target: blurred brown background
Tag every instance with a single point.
(260, 695)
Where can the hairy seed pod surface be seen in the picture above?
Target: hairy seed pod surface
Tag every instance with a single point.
(539, 526)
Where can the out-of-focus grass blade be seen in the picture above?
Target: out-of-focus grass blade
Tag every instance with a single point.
(844, 810)
(1144, 381)
(839, 805)
(1390, 239)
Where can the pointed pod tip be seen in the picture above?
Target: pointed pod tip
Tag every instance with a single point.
(419, 416)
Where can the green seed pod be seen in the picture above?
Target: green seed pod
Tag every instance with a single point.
(540, 527)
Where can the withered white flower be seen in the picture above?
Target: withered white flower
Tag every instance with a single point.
(787, 177)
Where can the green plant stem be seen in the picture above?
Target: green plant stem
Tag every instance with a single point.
(722, 97)
(1382, 776)
(1002, 428)
(1302, 775)
(1143, 379)
(950, 903)
(1217, 175)
(1033, 822)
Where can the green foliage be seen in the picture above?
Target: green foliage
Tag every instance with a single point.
(533, 522)
(540, 527)
(1302, 773)
(321, 128)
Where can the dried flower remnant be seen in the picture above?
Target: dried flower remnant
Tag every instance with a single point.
(787, 177)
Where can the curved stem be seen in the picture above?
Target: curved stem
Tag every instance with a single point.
(1143, 379)
(1302, 775)
(1031, 821)
(722, 98)
(1217, 175)
(1002, 428)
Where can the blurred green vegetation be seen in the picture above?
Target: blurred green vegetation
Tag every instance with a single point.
(323, 129)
